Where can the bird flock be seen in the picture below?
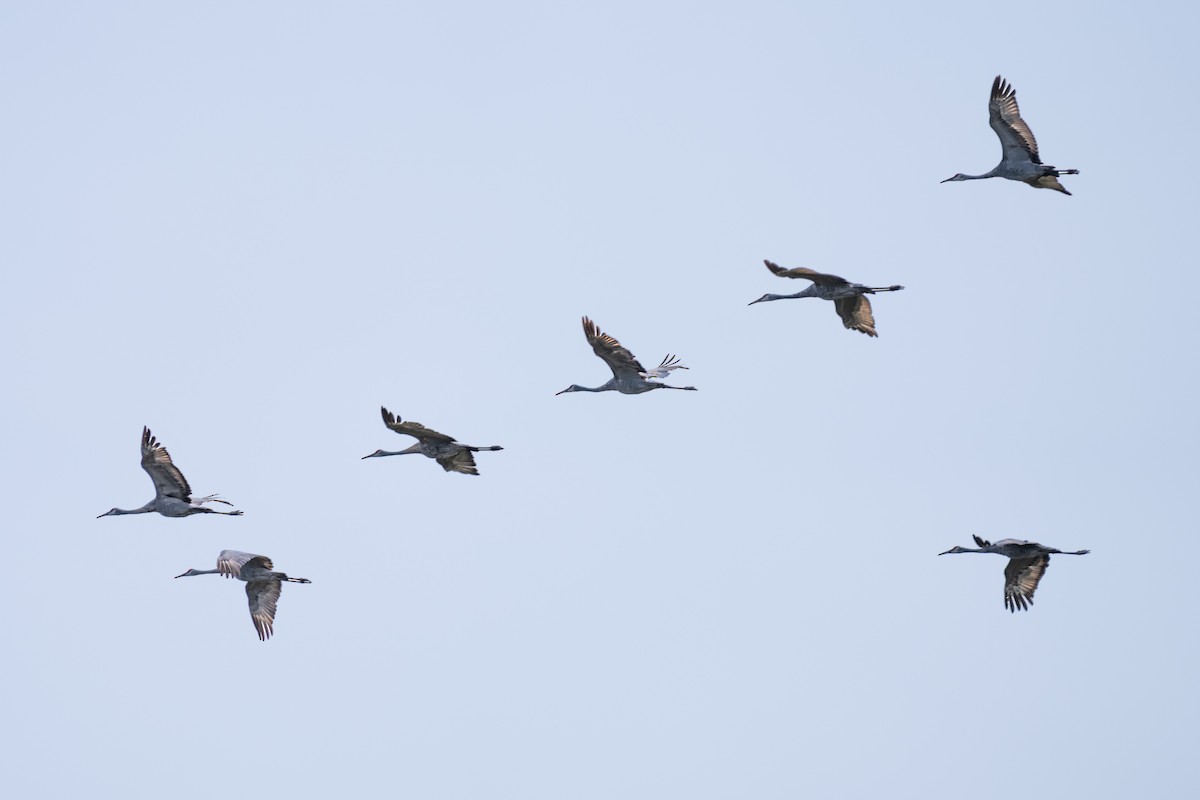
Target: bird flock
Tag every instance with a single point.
(1027, 563)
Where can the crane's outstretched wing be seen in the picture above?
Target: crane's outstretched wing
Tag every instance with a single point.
(1016, 139)
(856, 314)
(412, 428)
(819, 278)
(168, 480)
(1021, 578)
(663, 370)
(263, 596)
(231, 562)
(612, 352)
(980, 542)
(458, 461)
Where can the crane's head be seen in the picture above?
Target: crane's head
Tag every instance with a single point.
(957, 177)
(574, 387)
(956, 549)
(764, 299)
(110, 513)
(190, 573)
(376, 454)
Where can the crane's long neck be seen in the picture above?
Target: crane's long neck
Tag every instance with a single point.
(577, 388)
(416, 448)
(192, 572)
(768, 297)
(116, 512)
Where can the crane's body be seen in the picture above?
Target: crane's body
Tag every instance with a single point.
(848, 298)
(1019, 159)
(263, 584)
(453, 456)
(172, 494)
(1026, 566)
(629, 376)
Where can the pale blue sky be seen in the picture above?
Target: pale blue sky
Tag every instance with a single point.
(249, 225)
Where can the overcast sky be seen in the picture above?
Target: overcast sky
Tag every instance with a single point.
(250, 225)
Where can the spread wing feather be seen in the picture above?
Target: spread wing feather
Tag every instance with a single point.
(819, 278)
(230, 563)
(458, 461)
(414, 429)
(168, 480)
(856, 314)
(619, 359)
(263, 596)
(1016, 139)
(1021, 578)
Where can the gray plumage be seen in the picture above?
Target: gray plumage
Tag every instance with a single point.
(453, 456)
(172, 495)
(849, 299)
(1019, 159)
(629, 376)
(1026, 566)
(263, 584)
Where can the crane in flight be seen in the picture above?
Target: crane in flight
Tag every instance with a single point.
(1027, 562)
(1019, 159)
(172, 495)
(453, 456)
(849, 299)
(629, 376)
(263, 584)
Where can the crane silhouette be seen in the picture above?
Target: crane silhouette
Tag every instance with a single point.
(1027, 562)
(1019, 160)
(452, 455)
(172, 495)
(629, 376)
(263, 584)
(848, 298)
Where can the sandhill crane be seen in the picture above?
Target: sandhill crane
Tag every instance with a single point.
(172, 495)
(1019, 159)
(847, 297)
(263, 584)
(452, 455)
(629, 376)
(1027, 563)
